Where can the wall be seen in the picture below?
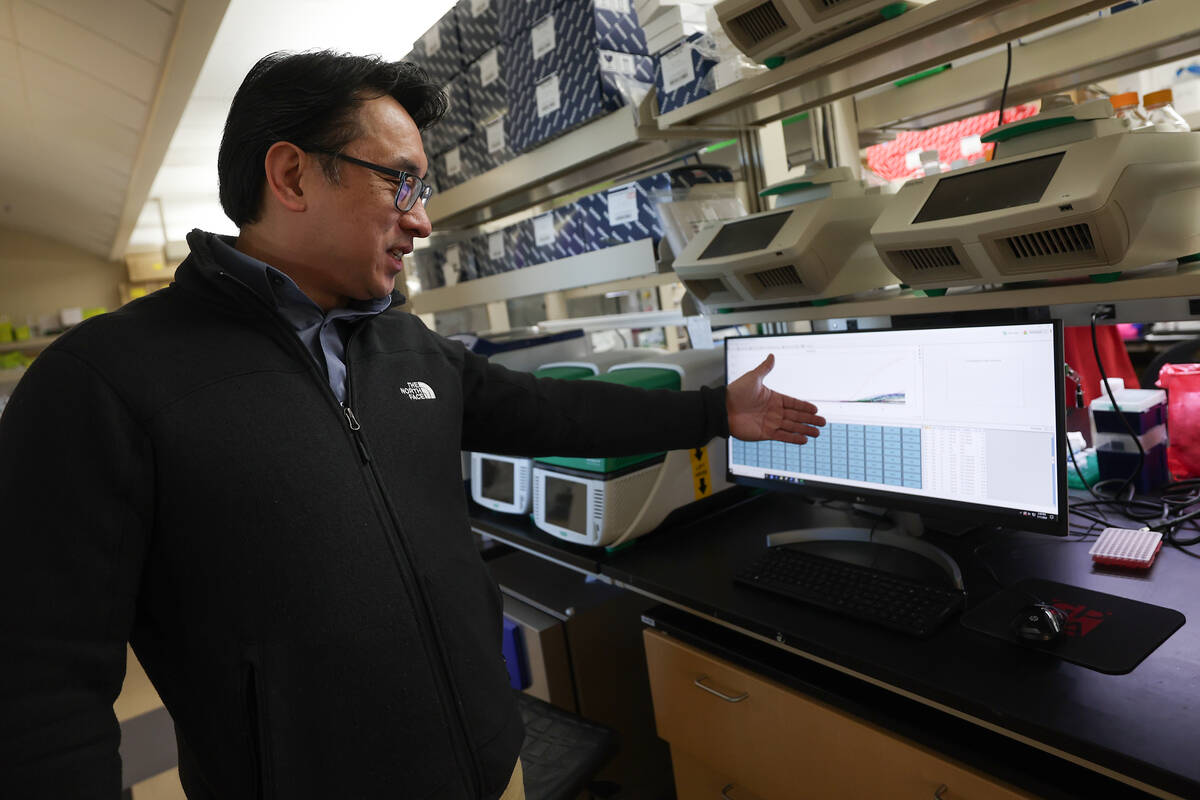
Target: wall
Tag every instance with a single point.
(40, 276)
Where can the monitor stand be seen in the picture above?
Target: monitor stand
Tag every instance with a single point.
(854, 545)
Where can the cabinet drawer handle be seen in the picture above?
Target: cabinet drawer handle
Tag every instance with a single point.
(727, 698)
(724, 795)
(940, 792)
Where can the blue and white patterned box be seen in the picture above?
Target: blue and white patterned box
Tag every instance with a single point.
(455, 262)
(460, 163)
(623, 213)
(520, 250)
(478, 27)
(494, 147)
(565, 87)
(456, 125)
(556, 234)
(487, 86)
(437, 50)
(682, 76)
(515, 16)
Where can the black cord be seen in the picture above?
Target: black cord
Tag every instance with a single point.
(1004, 91)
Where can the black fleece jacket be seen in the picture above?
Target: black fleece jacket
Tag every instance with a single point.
(297, 578)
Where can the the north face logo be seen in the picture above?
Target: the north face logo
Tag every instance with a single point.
(418, 390)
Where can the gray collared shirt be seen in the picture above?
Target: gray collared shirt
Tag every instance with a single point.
(323, 334)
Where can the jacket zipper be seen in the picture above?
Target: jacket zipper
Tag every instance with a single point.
(354, 429)
(476, 770)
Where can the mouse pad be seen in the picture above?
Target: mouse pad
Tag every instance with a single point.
(1104, 632)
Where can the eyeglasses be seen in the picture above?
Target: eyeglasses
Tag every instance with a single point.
(410, 190)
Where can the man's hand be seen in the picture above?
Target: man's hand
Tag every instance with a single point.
(756, 412)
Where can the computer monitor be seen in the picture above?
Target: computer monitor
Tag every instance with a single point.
(963, 423)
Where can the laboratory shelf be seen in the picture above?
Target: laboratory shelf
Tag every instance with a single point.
(618, 263)
(1120, 44)
(610, 147)
(1163, 293)
(928, 36)
(34, 345)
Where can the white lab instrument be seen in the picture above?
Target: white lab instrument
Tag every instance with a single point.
(502, 483)
(608, 501)
(765, 28)
(1071, 192)
(818, 248)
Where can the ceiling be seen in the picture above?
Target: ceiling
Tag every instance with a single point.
(113, 109)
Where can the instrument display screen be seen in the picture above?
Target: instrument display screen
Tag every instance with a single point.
(1018, 184)
(566, 504)
(745, 235)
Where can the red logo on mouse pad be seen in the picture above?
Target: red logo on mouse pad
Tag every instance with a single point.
(1081, 620)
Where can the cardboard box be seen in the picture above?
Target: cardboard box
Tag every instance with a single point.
(487, 86)
(460, 163)
(456, 125)
(683, 74)
(437, 50)
(621, 214)
(455, 262)
(478, 27)
(515, 16)
(551, 91)
(493, 144)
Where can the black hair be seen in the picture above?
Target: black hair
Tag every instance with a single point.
(310, 99)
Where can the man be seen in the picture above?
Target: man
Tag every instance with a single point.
(231, 475)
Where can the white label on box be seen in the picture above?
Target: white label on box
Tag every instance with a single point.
(542, 35)
(489, 67)
(547, 96)
(543, 230)
(495, 135)
(699, 330)
(433, 41)
(622, 205)
(677, 69)
(615, 6)
(452, 265)
(496, 245)
(726, 72)
(620, 63)
(970, 145)
(453, 161)
(479, 6)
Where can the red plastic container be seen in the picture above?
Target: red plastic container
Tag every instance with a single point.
(1182, 382)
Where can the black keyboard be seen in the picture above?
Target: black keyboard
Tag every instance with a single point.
(867, 594)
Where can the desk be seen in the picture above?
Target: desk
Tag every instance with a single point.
(1056, 728)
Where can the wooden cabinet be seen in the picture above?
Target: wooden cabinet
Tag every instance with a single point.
(734, 732)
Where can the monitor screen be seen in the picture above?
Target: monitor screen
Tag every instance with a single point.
(497, 478)
(991, 189)
(963, 423)
(745, 235)
(566, 504)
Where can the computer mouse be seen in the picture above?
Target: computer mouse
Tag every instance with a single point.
(1040, 622)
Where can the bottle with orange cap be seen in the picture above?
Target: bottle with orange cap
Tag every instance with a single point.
(1125, 105)
(1162, 114)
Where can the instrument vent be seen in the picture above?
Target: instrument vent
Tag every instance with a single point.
(926, 258)
(778, 278)
(1067, 240)
(759, 23)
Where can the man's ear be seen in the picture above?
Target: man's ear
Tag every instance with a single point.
(285, 164)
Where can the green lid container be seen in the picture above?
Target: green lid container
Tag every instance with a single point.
(642, 378)
(564, 373)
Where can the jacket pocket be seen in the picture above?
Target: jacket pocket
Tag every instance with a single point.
(257, 732)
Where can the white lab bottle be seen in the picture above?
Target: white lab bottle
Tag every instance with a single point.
(1162, 114)
(1125, 106)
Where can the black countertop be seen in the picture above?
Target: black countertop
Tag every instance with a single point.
(1143, 725)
